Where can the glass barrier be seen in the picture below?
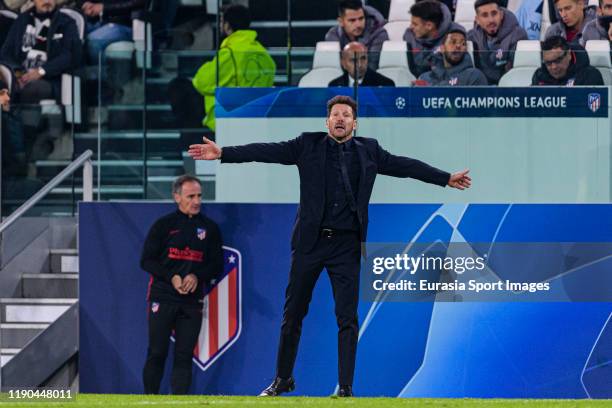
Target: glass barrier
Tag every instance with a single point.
(39, 119)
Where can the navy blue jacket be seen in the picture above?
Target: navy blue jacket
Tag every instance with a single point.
(308, 151)
(63, 54)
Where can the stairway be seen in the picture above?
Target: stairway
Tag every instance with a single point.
(44, 298)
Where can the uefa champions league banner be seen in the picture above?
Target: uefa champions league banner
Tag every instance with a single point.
(534, 319)
(475, 102)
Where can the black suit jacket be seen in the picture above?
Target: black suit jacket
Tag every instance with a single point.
(371, 78)
(308, 151)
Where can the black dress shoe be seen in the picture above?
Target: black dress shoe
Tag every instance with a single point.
(279, 386)
(345, 391)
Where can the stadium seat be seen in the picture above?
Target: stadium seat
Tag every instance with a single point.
(399, 19)
(470, 50)
(8, 14)
(399, 10)
(527, 59)
(71, 84)
(393, 63)
(325, 65)
(141, 41)
(465, 14)
(6, 74)
(78, 18)
(546, 22)
(599, 56)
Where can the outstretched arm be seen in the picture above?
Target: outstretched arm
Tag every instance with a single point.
(400, 166)
(281, 153)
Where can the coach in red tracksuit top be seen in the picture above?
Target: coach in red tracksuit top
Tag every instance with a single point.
(183, 253)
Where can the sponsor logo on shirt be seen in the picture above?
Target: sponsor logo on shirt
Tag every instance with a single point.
(186, 254)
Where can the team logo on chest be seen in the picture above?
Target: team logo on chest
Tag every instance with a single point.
(201, 233)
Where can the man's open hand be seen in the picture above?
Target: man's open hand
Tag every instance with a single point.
(460, 180)
(205, 151)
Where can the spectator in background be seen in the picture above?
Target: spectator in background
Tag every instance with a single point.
(565, 65)
(599, 28)
(13, 149)
(453, 65)
(242, 61)
(41, 45)
(574, 16)
(429, 23)
(494, 36)
(529, 16)
(109, 21)
(364, 24)
(355, 64)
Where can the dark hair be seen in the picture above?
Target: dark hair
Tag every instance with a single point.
(343, 5)
(428, 10)
(556, 41)
(575, 1)
(455, 30)
(342, 100)
(3, 84)
(177, 185)
(237, 16)
(479, 3)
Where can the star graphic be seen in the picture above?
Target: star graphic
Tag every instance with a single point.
(231, 259)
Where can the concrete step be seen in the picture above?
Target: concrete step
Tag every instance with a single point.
(22, 310)
(64, 261)
(17, 335)
(50, 285)
(6, 354)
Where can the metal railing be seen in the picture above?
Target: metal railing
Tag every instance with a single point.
(83, 160)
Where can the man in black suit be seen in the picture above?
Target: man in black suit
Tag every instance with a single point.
(337, 173)
(355, 64)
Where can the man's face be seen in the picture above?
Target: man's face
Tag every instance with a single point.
(5, 99)
(557, 61)
(489, 17)
(454, 48)
(353, 23)
(421, 28)
(349, 57)
(44, 6)
(571, 11)
(189, 199)
(341, 122)
(606, 8)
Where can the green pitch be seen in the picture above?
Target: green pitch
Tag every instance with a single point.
(126, 401)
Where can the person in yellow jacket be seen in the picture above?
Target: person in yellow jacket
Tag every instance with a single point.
(242, 61)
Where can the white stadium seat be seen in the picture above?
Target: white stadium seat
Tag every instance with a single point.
(465, 14)
(527, 59)
(393, 63)
(545, 20)
(399, 19)
(399, 10)
(325, 65)
(599, 56)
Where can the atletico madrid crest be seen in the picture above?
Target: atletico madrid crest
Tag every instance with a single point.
(222, 312)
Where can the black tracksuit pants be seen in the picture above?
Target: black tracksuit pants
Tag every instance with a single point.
(186, 321)
(340, 256)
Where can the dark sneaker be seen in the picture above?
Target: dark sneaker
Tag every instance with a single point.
(345, 391)
(279, 386)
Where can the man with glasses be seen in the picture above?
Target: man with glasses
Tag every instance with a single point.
(563, 65)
